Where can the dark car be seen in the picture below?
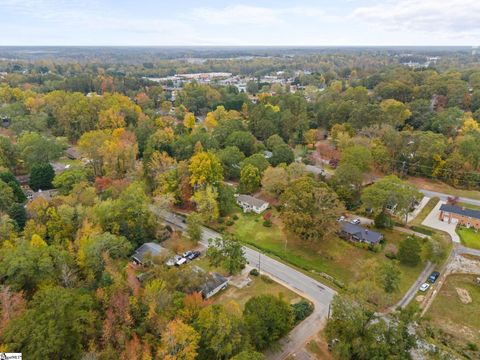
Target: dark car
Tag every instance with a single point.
(194, 255)
(433, 277)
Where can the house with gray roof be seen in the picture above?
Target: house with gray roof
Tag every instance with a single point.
(214, 284)
(358, 233)
(146, 252)
(454, 214)
(249, 203)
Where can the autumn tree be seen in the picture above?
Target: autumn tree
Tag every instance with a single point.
(250, 179)
(310, 209)
(206, 203)
(227, 252)
(179, 341)
(205, 169)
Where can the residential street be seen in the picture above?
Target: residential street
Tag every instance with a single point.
(444, 197)
(295, 280)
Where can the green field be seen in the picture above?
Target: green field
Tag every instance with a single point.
(469, 237)
(458, 320)
(333, 256)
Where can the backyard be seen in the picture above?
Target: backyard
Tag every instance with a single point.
(469, 237)
(333, 256)
(456, 308)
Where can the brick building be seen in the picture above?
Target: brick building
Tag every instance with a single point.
(460, 215)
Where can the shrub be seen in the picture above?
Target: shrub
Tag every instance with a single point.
(301, 310)
(409, 251)
(266, 279)
(383, 221)
(391, 255)
(254, 272)
(221, 220)
(230, 222)
(267, 223)
(235, 217)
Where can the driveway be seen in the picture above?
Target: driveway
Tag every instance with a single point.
(421, 205)
(434, 222)
(320, 295)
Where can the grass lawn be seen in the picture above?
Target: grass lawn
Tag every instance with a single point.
(427, 209)
(333, 256)
(435, 185)
(258, 286)
(460, 320)
(469, 237)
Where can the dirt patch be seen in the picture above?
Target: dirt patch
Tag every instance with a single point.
(420, 298)
(464, 295)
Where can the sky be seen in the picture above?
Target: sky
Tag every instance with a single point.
(261, 23)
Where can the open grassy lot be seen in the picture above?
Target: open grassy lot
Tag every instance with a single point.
(258, 286)
(458, 319)
(469, 237)
(333, 256)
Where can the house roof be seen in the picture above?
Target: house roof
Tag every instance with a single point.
(147, 248)
(252, 201)
(360, 232)
(214, 281)
(460, 211)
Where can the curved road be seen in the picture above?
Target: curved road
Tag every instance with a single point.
(444, 197)
(320, 295)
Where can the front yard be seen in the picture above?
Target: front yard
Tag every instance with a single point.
(456, 310)
(469, 237)
(333, 256)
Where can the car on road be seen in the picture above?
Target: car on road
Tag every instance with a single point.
(341, 218)
(433, 277)
(193, 255)
(424, 287)
(355, 221)
(186, 254)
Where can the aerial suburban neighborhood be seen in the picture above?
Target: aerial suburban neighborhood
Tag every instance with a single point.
(240, 181)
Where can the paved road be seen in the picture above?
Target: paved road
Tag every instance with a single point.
(414, 288)
(319, 294)
(444, 197)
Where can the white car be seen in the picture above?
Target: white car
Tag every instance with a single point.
(173, 261)
(181, 261)
(424, 287)
(355, 221)
(341, 218)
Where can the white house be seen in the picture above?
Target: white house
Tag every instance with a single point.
(249, 203)
(214, 284)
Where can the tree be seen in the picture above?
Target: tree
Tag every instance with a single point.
(41, 177)
(205, 169)
(231, 157)
(57, 325)
(409, 251)
(179, 341)
(228, 253)
(226, 199)
(249, 355)
(250, 179)
(243, 140)
(282, 154)
(35, 148)
(267, 319)
(194, 227)
(206, 202)
(7, 197)
(275, 180)
(13, 183)
(310, 209)
(394, 112)
(391, 192)
(189, 121)
(357, 155)
(220, 329)
(257, 160)
(66, 180)
(389, 276)
(355, 332)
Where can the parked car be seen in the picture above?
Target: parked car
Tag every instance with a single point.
(186, 254)
(181, 261)
(424, 287)
(194, 254)
(173, 260)
(341, 218)
(433, 277)
(355, 221)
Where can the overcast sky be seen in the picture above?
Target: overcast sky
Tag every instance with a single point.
(214, 22)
